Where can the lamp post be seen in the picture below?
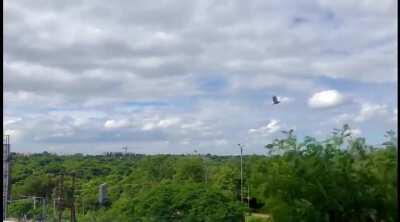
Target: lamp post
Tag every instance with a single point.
(241, 171)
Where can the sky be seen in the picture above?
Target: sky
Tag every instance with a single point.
(178, 76)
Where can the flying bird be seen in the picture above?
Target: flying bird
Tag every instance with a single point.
(275, 100)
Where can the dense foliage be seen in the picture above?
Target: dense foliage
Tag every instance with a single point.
(339, 179)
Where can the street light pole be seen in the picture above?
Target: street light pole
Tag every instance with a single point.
(241, 171)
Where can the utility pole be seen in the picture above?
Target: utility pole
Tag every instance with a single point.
(241, 171)
(73, 216)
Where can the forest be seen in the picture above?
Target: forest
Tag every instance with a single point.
(340, 178)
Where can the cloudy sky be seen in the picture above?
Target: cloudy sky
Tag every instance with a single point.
(177, 76)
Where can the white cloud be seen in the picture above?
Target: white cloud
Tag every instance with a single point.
(195, 125)
(13, 133)
(23, 98)
(371, 63)
(221, 142)
(356, 132)
(111, 124)
(262, 81)
(285, 99)
(186, 141)
(272, 127)
(11, 120)
(163, 123)
(148, 126)
(395, 115)
(384, 7)
(326, 99)
(80, 117)
(343, 118)
(169, 122)
(369, 111)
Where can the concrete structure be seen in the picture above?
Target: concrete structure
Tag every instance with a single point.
(6, 173)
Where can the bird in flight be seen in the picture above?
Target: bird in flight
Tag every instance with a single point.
(275, 100)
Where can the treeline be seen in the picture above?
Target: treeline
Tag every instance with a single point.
(339, 179)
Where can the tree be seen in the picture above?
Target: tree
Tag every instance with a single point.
(186, 202)
(333, 180)
(190, 169)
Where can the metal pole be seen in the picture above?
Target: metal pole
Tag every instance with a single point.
(241, 172)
